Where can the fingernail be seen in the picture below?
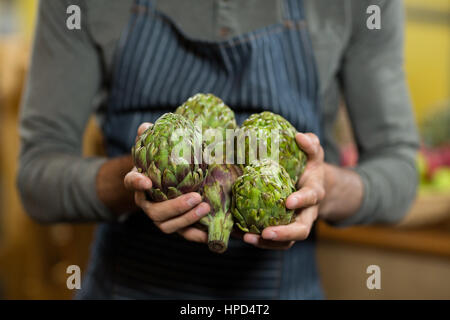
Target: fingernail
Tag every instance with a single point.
(252, 239)
(293, 202)
(192, 201)
(270, 235)
(202, 210)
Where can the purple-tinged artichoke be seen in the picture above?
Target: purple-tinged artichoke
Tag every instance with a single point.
(216, 192)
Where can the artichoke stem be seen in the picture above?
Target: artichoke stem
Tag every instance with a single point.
(219, 230)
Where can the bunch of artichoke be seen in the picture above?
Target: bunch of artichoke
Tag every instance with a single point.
(254, 198)
(259, 196)
(170, 160)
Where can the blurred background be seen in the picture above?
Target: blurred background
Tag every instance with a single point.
(414, 256)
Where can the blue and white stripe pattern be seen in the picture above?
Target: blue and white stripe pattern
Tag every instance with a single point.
(157, 68)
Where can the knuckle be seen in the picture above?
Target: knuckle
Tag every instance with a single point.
(302, 233)
(126, 180)
(191, 237)
(151, 215)
(135, 181)
(302, 236)
(137, 199)
(314, 199)
(314, 138)
(187, 219)
(154, 216)
(321, 154)
(141, 202)
(305, 233)
(165, 229)
(179, 204)
(192, 216)
(321, 193)
(129, 180)
(311, 197)
(195, 238)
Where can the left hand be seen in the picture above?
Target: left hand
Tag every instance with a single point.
(305, 201)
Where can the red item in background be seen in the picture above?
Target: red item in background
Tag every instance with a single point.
(349, 155)
(435, 158)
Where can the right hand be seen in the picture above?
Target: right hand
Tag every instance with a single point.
(170, 216)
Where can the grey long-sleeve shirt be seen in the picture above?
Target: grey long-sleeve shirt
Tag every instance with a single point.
(70, 72)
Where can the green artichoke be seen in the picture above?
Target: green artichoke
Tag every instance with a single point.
(259, 196)
(264, 130)
(216, 192)
(211, 112)
(167, 153)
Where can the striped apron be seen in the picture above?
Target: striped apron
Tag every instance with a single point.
(157, 67)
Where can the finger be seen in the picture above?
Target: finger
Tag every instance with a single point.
(306, 196)
(137, 181)
(194, 234)
(310, 144)
(144, 126)
(162, 211)
(185, 220)
(307, 216)
(259, 242)
(295, 231)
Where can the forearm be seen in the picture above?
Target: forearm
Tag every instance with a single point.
(55, 182)
(378, 190)
(344, 194)
(377, 100)
(60, 187)
(110, 187)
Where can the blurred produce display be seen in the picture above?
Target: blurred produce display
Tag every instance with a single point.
(435, 128)
(433, 160)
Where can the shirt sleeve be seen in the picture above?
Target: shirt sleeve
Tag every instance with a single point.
(55, 182)
(377, 98)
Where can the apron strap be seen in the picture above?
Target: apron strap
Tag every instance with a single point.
(293, 10)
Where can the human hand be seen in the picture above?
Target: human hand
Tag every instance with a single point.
(170, 216)
(305, 201)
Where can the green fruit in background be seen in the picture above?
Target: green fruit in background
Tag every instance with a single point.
(441, 179)
(259, 196)
(263, 127)
(169, 159)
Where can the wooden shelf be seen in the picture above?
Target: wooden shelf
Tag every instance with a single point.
(415, 233)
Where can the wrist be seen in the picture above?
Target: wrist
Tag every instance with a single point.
(344, 193)
(330, 178)
(110, 187)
